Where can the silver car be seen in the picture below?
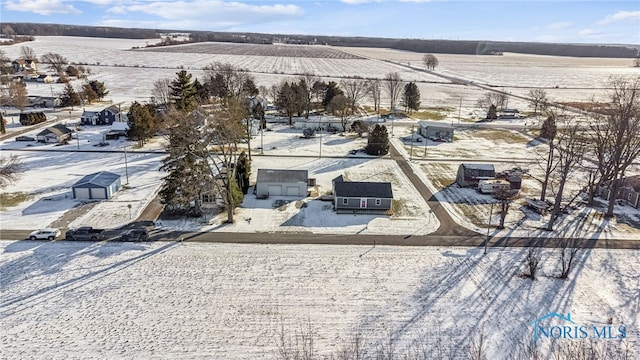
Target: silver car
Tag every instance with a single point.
(44, 234)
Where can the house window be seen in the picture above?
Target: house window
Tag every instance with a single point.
(378, 202)
(345, 201)
(208, 198)
(629, 197)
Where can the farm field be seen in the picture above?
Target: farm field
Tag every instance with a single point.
(188, 300)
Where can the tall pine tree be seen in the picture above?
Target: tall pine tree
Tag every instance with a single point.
(183, 92)
(141, 122)
(378, 142)
(411, 97)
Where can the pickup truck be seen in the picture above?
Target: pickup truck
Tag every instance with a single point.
(85, 233)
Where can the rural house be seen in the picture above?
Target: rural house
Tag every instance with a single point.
(108, 115)
(20, 65)
(361, 197)
(628, 191)
(469, 175)
(276, 182)
(100, 185)
(89, 118)
(54, 134)
(434, 130)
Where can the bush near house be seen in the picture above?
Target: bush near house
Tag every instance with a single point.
(27, 119)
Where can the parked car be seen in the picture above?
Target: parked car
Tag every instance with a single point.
(44, 234)
(25, 138)
(135, 235)
(85, 233)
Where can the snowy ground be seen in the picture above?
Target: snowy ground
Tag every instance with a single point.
(166, 300)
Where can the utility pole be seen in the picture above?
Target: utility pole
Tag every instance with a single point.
(261, 141)
(412, 139)
(320, 139)
(459, 111)
(488, 229)
(126, 168)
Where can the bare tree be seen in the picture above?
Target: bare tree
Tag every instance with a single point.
(57, 62)
(308, 80)
(636, 60)
(340, 106)
(549, 162)
(495, 98)
(570, 151)
(538, 100)
(224, 80)
(430, 61)
(16, 95)
(10, 169)
(373, 88)
(223, 134)
(393, 85)
(616, 134)
(532, 262)
(354, 90)
(567, 255)
(28, 53)
(477, 348)
(161, 92)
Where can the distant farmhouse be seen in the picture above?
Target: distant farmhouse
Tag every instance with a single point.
(435, 130)
(361, 197)
(54, 134)
(469, 175)
(106, 116)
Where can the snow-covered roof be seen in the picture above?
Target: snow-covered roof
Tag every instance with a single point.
(282, 176)
(487, 167)
(363, 189)
(439, 124)
(57, 129)
(119, 125)
(102, 178)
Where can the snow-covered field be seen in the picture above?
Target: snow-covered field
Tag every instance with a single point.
(183, 301)
(196, 301)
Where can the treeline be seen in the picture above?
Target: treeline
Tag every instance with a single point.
(469, 47)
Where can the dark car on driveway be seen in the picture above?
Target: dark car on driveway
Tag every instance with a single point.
(135, 235)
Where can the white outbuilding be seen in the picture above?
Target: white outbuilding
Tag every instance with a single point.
(275, 182)
(97, 186)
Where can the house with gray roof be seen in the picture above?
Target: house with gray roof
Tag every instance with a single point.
(280, 182)
(470, 174)
(436, 130)
(101, 185)
(351, 197)
(54, 134)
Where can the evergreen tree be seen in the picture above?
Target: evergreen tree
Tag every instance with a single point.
(331, 91)
(411, 97)
(99, 88)
(492, 113)
(88, 94)
(183, 92)
(141, 122)
(3, 129)
(202, 95)
(243, 172)
(286, 100)
(378, 142)
(69, 96)
(187, 172)
(549, 128)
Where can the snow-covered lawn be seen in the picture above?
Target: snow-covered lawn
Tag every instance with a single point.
(167, 300)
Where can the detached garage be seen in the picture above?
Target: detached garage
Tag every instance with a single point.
(273, 182)
(100, 185)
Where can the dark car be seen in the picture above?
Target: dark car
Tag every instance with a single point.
(135, 235)
(25, 138)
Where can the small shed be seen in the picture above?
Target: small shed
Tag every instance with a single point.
(361, 197)
(435, 130)
(279, 182)
(54, 134)
(100, 185)
(471, 174)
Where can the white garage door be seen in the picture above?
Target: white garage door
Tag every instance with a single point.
(292, 191)
(98, 193)
(275, 190)
(82, 193)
